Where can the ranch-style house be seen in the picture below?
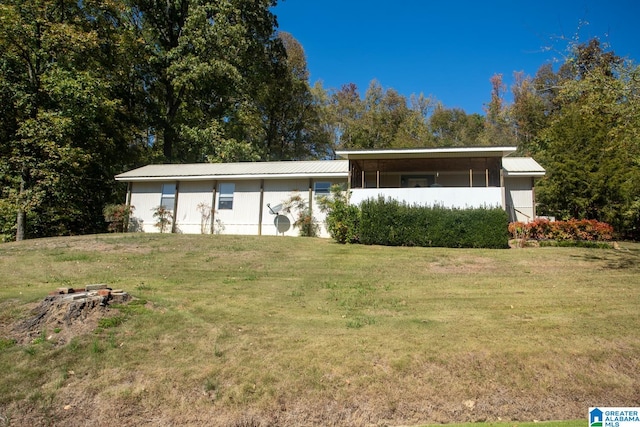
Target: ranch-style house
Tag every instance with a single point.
(246, 197)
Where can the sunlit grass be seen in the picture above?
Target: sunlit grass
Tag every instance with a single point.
(306, 329)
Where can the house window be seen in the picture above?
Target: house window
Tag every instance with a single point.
(225, 201)
(321, 188)
(168, 199)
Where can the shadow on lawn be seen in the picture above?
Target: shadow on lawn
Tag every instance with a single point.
(618, 260)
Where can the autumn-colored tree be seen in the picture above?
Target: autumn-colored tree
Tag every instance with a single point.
(497, 126)
(383, 119)
(529, 113)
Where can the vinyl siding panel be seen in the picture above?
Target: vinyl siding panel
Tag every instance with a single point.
(145, 198)
(189, 218)
(243, 218)
(519, 198)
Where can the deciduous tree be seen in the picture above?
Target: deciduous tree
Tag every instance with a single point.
(62, 127)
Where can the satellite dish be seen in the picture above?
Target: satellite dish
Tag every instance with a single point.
(275, 210)
(282, 223)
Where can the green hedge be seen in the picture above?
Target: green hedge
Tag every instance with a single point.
(391, 223)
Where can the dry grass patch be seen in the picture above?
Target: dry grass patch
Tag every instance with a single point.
(290, 331)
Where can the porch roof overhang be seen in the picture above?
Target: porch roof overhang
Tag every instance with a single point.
(426, 153)
(522, 167)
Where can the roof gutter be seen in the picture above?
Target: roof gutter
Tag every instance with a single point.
(523, 174)
(229, 177)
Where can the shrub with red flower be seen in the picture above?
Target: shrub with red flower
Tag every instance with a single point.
(573, 229)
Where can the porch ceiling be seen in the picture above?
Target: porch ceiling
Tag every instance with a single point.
(423, 165)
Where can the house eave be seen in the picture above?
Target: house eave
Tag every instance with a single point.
(417, 153)
(229, 177)
(524, 174)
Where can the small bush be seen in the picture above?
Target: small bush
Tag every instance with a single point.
(8, 212)
(304, 221)
(342, 219)
(163, 218)
(571, 230)
(117, 216)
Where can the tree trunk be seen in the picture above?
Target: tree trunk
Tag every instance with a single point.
(169, 136)
(22, 215)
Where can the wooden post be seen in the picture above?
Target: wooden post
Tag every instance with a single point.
(310, 195)
(504, 192)
(213, 206)
(128, 219)
(378, 178)
(533, 198)
(261, 210)
(470, 177)
(363, 180)
(175, 207)
(486, 176)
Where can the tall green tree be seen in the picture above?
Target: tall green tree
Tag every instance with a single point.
(452, 127)
(205, 61)
(591, 145)
(383, 119)
(61, 125)
(289, 112)
(341, 111)
(413, 130)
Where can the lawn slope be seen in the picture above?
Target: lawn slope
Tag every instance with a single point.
(257, 331)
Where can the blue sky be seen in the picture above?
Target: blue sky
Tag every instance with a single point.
(447, 49)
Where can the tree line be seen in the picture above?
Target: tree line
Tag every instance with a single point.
(90, 89)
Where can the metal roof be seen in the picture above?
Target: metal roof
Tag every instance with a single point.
(513, 166)
(425, 153)
(243, 170)
(522, 166)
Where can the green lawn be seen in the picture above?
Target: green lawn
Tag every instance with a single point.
(252, 331)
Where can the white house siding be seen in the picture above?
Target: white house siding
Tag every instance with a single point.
(189, 219)
(275, 193)
(278, 191)
(519, 198)
(465, 197)
(145, 198)
(244, 217)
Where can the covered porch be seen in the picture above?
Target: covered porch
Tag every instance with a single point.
(448, 177)
(422, 173)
